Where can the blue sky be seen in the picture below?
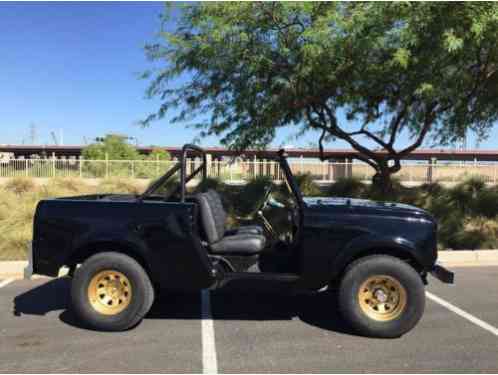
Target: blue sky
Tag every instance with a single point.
(75, 67)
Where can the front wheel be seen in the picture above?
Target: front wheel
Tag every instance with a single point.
(111, 292)
(381, 296)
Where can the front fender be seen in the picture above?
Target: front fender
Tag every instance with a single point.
(373, 244)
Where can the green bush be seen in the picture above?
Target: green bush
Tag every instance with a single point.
(251, 195)
(307, 186)
(486, 204)
(348, 188)
(208, 183)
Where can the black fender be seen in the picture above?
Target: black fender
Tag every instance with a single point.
(126, 243)
(373, 244)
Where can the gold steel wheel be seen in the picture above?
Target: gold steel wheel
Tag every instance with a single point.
(109, 292)
(382, 298)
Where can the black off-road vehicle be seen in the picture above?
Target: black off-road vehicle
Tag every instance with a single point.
(121, 250)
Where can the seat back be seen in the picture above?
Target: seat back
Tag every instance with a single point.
(212, 215)
(217, 204)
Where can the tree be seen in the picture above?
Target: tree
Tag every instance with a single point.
(112, 147)
(364, 73)
(158, 154)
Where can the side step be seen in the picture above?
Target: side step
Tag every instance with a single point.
(262, 282)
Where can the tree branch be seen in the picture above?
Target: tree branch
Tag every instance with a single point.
(429, 119)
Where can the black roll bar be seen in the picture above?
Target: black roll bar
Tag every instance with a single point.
(290, 178)
(183, 170)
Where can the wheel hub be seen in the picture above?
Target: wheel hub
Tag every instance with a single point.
(382, 297)
(109, 292)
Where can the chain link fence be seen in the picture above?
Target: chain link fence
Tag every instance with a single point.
(241, 171)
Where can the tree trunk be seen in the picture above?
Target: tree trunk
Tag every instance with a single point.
(382, 181)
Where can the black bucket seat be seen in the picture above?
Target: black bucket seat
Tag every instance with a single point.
(246, 229)
(213, 218)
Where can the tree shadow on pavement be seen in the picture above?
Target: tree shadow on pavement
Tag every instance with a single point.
(316, 309)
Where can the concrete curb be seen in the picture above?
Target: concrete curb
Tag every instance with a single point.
(469, 258)
(460, 258)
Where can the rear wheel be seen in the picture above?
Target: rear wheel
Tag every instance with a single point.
(381, 296)
(111, 292)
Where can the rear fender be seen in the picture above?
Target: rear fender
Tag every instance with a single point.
(93, 243)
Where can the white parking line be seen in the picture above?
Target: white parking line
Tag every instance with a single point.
(5, 282)
(209, 361)
(463, 314)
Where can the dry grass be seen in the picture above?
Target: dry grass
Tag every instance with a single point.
(18, 200)
(20, 185)
(467, 213)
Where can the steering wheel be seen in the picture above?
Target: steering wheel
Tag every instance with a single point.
(268, 201)
(266, 198)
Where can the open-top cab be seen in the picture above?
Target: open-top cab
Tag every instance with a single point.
(122, 249)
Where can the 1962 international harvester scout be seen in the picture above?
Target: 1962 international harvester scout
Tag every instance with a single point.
(121, 250)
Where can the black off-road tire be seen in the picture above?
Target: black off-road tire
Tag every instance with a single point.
(371, 266)
(140, 303)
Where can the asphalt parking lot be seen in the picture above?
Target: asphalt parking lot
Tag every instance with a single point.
(249, 333)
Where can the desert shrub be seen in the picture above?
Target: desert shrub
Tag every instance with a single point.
(464, 195)
(251, 195)
(124, 186)
(306, 184)
(68, 184)
(429, 192)
(486, 204)
(477, 233)
(348, 188)
(20, 185)
(208, 183)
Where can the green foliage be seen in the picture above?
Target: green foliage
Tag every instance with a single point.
(486, 204)
(252, 194)
(208, 183)
(422, 69)
(158, 154)
(307, 185)
(113, 147)
(348, 187)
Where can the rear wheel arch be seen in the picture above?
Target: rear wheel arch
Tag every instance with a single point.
(82, 253)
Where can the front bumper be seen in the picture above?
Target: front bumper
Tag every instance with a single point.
(442, 274)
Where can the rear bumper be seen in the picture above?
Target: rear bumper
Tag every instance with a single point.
(28, 270)
(442, 274)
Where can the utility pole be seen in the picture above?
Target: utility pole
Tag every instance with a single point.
(32, 133)
(54, 137)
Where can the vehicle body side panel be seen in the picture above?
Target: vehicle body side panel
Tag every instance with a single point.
(162, 234)
(333, 237)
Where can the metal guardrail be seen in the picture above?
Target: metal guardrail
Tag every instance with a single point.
(240, 171)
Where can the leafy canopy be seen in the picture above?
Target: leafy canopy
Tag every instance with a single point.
(112, 147)
(115, 147)
(360, 72)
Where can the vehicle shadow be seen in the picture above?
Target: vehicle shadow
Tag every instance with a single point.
(318, 309)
